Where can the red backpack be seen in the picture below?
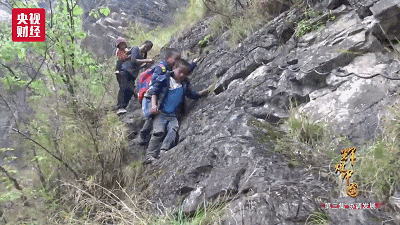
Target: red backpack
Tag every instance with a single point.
(143, 82)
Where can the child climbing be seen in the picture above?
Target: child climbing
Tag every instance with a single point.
(171, 55)
(143, 85)
(167, 94)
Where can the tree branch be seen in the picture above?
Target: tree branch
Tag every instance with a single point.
(6, 4)
(241, 5)
(49, 152)
(38, 69)
(13, 180)
(8, 68)
(11, 111)
(40, 173)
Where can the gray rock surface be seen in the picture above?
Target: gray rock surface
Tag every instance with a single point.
(387, 12)
(152, 13)
(5, 14)
(333, 73)
(103, 31)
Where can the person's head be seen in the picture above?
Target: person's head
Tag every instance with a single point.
(171, 56)
(146, 46)
(181, 69)
(121, 43)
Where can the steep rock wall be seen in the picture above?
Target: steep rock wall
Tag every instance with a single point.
(340, 74)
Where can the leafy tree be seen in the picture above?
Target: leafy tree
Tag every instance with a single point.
(70, 136)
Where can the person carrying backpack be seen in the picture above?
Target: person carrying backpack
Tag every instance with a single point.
(143, 85)
(129, 71)
(168, 91)
(144, 95)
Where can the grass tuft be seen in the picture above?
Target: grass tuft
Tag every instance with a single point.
(307, 142)
(318, 218)
(312, 21)
(377, 168)
(160, 36)
(240, 19)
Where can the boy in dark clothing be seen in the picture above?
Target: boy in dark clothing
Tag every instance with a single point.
(124, 53)
(129, 71)
(171, 57)
(167, 94)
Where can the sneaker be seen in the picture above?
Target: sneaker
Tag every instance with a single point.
(163, 151)
(149, 160)
(121, 111)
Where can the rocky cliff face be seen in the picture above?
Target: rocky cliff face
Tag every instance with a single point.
(340, 74)
(103, 31)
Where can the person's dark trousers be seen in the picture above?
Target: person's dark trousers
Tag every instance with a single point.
(144, 133)
(125, 81)
(118, 65)
(163, 124)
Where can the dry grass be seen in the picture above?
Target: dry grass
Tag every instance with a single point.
(160, 36)
(121, 207)
(307, 142)
(377, 168)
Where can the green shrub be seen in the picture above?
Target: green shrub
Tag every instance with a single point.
(305, 26)
(206, 41)
(312, 21)
(205, 214)
(266, 132)
(71, 136)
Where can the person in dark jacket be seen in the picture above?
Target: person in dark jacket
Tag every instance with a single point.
(128, 73)
(167, 94)
(166, 65)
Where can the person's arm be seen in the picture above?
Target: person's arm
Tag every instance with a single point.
(154, 108)
(119, 64)
(157, 81)
(210, 88)
(135, 54)
(145, 60)
(126, 59)
(192, 67)
(204, 92)
(192, 94)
